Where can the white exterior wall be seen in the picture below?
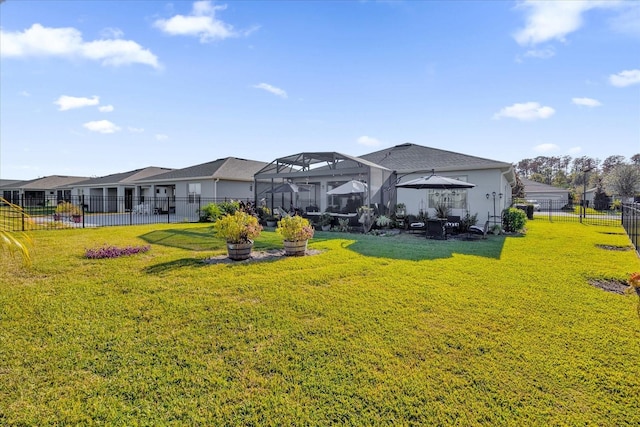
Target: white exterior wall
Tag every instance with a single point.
(486, 181)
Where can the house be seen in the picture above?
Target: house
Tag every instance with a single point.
(228, 178)
(322, 172)
(493, 180)
(45, 191)
(116, 192)
(547, 196)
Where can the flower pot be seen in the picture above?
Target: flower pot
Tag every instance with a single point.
(295, 248)
(326, 227)
(271, 223)
(239, 251)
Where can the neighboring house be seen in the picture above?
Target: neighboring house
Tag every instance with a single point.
(229, 178)
(382, 170)
(546, 195)
(493, 180)
(117, 192)
(41, 191)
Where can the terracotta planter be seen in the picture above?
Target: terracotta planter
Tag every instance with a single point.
(239, 251)
(297, 248)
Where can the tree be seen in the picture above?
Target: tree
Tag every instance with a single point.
(518, 190)
(635, 159)
(623, 180)
(611, 162)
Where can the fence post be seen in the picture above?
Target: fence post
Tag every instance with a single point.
(83, 211)
(22, 214)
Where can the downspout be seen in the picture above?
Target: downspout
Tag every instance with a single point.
(215, 189)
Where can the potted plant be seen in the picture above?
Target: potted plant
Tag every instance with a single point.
(442, 211)
(296, 231)
(325, 221)
(383, 221)
(238, 229)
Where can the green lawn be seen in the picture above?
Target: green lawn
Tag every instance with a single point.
(372, 331)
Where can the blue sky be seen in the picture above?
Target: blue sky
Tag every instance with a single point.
(90, 88)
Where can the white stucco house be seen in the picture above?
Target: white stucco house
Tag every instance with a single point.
(223, 179)
(381, 170)
(116, 192)
(43, 191)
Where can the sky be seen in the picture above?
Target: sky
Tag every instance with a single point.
(91, 88)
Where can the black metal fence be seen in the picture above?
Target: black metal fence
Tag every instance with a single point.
(102, 211)
(631, 221)
(558, 211)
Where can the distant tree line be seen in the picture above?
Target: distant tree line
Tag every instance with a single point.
(614, 176)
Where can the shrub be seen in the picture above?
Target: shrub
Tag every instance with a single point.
(442, 210)
(295, 228)
(513, 219)
(237, 228)
(114, 251)
(228, 208)
(468, 221)
(210, 212)
(383, 221)
(66, 208)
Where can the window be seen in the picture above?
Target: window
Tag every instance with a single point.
(455, 199)
(194, 192)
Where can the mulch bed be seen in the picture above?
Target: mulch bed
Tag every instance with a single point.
(610, 285)
(256, 256)
(614, 248)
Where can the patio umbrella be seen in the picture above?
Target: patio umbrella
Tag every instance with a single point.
(435, 182)
(351, 187)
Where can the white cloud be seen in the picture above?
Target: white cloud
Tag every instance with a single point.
(161, 137)
(546, 148)
(625, 78)
(201, 23)
(527, 112)
(586, 102)
(101, 126)
(105, 108)
(626, 22)
(25, 93)
(65, 102)
(111, 33)
(546, 53)
(549, 20)
(272, 89)
(368, 141)
(135, 130)
(68, 43)
(574, 150)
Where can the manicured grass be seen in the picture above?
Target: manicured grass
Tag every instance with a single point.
(374, 330)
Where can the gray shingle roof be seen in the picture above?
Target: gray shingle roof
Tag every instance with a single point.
(229, 168)
(125, 177)
(46, 183)
(409, 157)
(538, 187)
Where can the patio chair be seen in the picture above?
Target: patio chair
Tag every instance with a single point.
(480, 231)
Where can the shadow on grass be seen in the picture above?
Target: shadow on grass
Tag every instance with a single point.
(195, 239)
(418, 248)
(166, 267)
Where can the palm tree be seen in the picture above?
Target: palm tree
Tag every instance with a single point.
(12, 241)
